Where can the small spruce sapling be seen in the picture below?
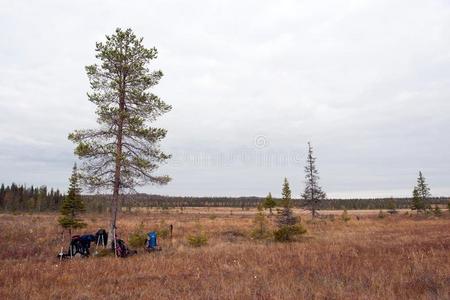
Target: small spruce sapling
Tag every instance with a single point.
(260, 230)
(269, 203)
(72, 205)
(392, 207)
(421, 195)
(288, 226)
(138, 237)
(197, 239)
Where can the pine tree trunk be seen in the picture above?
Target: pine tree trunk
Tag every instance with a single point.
(118, 162)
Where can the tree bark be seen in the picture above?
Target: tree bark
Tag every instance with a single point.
(118, 167)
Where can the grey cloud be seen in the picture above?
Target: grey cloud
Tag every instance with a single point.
(366, 81)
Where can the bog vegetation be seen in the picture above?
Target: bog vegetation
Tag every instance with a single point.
(398, 257)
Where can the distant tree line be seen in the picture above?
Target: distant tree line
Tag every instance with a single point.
(16, 197)
(35, 199)
(99, 202)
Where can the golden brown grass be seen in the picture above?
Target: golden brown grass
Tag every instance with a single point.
(398, 257)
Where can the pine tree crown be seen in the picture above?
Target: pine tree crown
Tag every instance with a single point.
(120, 86)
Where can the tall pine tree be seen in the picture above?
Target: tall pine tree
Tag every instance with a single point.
(72, 205)
(313, 194)
(124, 152)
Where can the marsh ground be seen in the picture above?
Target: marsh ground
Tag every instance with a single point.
(397, 257)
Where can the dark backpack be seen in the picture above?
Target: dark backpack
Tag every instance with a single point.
(101, 237)
(80, 244)
(75, 246)
(121, 249)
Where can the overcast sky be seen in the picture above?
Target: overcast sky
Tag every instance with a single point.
(250, 82)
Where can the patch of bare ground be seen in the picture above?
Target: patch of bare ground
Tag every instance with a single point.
(398, 257)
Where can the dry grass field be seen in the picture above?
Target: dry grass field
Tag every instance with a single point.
(397, 257)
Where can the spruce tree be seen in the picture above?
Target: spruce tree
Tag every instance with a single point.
(288, 226)
(269, 203)
(313, 194)
(424, 190)
(392, 207)
(421, 195)
(417, 204)
(124, 152)
(72, 205)
(286, 216)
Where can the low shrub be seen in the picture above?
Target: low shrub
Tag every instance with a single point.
(287, 233)
(163, 233)
(260, 234)
(345, 217)
(259, 230)
(138, 237)
(137, 240)
(437, 211)
(163, 230)
(197, 240)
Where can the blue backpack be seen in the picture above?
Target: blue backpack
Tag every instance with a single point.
(152, 243)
